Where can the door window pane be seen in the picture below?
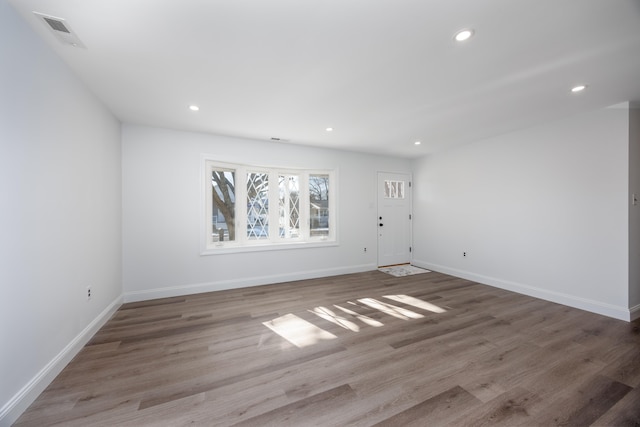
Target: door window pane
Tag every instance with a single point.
(394, 189)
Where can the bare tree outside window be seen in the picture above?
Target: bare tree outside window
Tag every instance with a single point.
(319, 204)
(224, 205)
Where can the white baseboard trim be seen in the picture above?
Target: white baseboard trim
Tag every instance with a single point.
(12, 410)
(634, 312)
(617, 312)
(197, 288)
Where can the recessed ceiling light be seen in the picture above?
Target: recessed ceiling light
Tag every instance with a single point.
(194, 108)
(578, 88)
(463, 35)
(417, 143)
(329, 129)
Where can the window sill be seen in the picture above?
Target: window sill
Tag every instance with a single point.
(222, 249)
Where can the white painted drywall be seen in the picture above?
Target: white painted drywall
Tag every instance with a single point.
(60, 204)
(162, 213)
(634, 211)
(543, 211)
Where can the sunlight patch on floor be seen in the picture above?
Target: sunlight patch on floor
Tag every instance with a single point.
(390, 309)
(361, 317)
(406, 299)
(331, 316)
(302, 333)
(298, 331)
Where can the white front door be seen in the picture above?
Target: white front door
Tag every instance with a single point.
(394, 218)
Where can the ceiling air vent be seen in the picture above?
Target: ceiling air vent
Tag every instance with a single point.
(60, 29)
(56, 25)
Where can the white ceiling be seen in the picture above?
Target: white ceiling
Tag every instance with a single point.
(382, 73)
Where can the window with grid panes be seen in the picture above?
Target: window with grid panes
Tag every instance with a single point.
(254, 207)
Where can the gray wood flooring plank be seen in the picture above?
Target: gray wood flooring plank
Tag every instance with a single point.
(353, 350)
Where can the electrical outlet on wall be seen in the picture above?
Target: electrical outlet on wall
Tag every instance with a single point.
(88, 292)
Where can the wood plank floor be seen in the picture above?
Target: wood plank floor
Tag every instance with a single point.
(362, 349)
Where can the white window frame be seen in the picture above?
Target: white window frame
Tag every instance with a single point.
(242, 243)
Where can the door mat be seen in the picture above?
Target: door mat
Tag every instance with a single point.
(403, 270)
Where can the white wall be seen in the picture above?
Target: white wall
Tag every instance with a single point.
(634, 211)
(60, 214)
(542, 211)
(162, 213)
